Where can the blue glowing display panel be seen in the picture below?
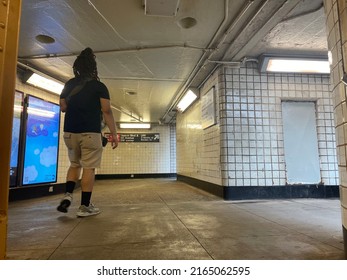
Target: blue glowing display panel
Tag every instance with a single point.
(15, 144)
(41, 142)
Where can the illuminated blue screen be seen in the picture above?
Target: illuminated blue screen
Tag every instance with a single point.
(16, 127)
(41, 142)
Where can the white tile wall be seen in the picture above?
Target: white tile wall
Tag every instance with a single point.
(141, 158)
(250, 148)
(254, 124)
(336, 25)
(198, 150)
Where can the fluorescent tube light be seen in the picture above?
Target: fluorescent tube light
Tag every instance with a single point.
(40, 112)
(45, 83)
(186, 101)
(135, 125)
(295, 65)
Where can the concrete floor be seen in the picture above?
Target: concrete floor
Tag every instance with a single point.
(161, 219)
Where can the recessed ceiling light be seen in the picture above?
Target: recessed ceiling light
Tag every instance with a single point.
(187, 22)
(45, 39)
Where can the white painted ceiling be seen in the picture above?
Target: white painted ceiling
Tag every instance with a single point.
(148, 60)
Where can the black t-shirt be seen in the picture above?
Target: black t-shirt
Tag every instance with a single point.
(83, 113)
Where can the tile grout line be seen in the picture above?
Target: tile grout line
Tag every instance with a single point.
(77, 224)
(185, 226)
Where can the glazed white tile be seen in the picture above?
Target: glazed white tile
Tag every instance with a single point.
(252, 123)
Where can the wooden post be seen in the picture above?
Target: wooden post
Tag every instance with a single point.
(9, 33)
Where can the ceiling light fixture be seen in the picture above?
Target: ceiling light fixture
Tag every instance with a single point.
(187, 22)
(295, 65)
(189, 97)
(42, 81)
(45, 39)
(135, 125)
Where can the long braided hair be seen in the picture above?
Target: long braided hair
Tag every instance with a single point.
(84, 66)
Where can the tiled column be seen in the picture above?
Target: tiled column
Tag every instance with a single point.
(336, 26)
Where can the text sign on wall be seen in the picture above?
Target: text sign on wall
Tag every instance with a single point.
(208, 113)
(138, 137)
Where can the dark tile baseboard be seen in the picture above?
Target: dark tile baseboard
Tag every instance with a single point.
(132, 176)
(281, 192)
(21, 193)
(264, 192)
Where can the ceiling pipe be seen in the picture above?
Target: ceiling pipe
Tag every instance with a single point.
(236, 21)
(245, 59)
(253, 17)
(142, 79)
(135, 49)
(231, 64)
(267, 26)
(188, 81)
(130, 114)
(203, 59)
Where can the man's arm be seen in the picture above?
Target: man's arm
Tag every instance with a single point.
(108, 117)
(63, 105)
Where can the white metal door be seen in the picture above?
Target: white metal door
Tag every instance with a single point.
(301, 143)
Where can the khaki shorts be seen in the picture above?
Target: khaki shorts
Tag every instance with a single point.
(84, 149)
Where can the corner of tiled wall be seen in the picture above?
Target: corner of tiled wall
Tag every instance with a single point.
(198, 149)
(336, 24)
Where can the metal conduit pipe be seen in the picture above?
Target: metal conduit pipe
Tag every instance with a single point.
(245, 59)
(277, 11)
(253, 17)
(135, 49)
(180, 91)
(139, 119)
(203, 58)
(232, 64)
(236, 21)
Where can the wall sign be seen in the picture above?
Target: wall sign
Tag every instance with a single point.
(137, 137)
(208, 107)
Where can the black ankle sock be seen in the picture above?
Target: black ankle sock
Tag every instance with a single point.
(85, 200)
(70, 186)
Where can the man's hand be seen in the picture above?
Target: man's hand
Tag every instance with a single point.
(114, 140)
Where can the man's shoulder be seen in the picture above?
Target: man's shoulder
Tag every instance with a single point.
(98, 84)
(71, 82)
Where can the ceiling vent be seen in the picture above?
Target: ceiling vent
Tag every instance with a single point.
(163, 8)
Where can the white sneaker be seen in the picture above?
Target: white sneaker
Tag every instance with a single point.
(84, 211)
(65, 203)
